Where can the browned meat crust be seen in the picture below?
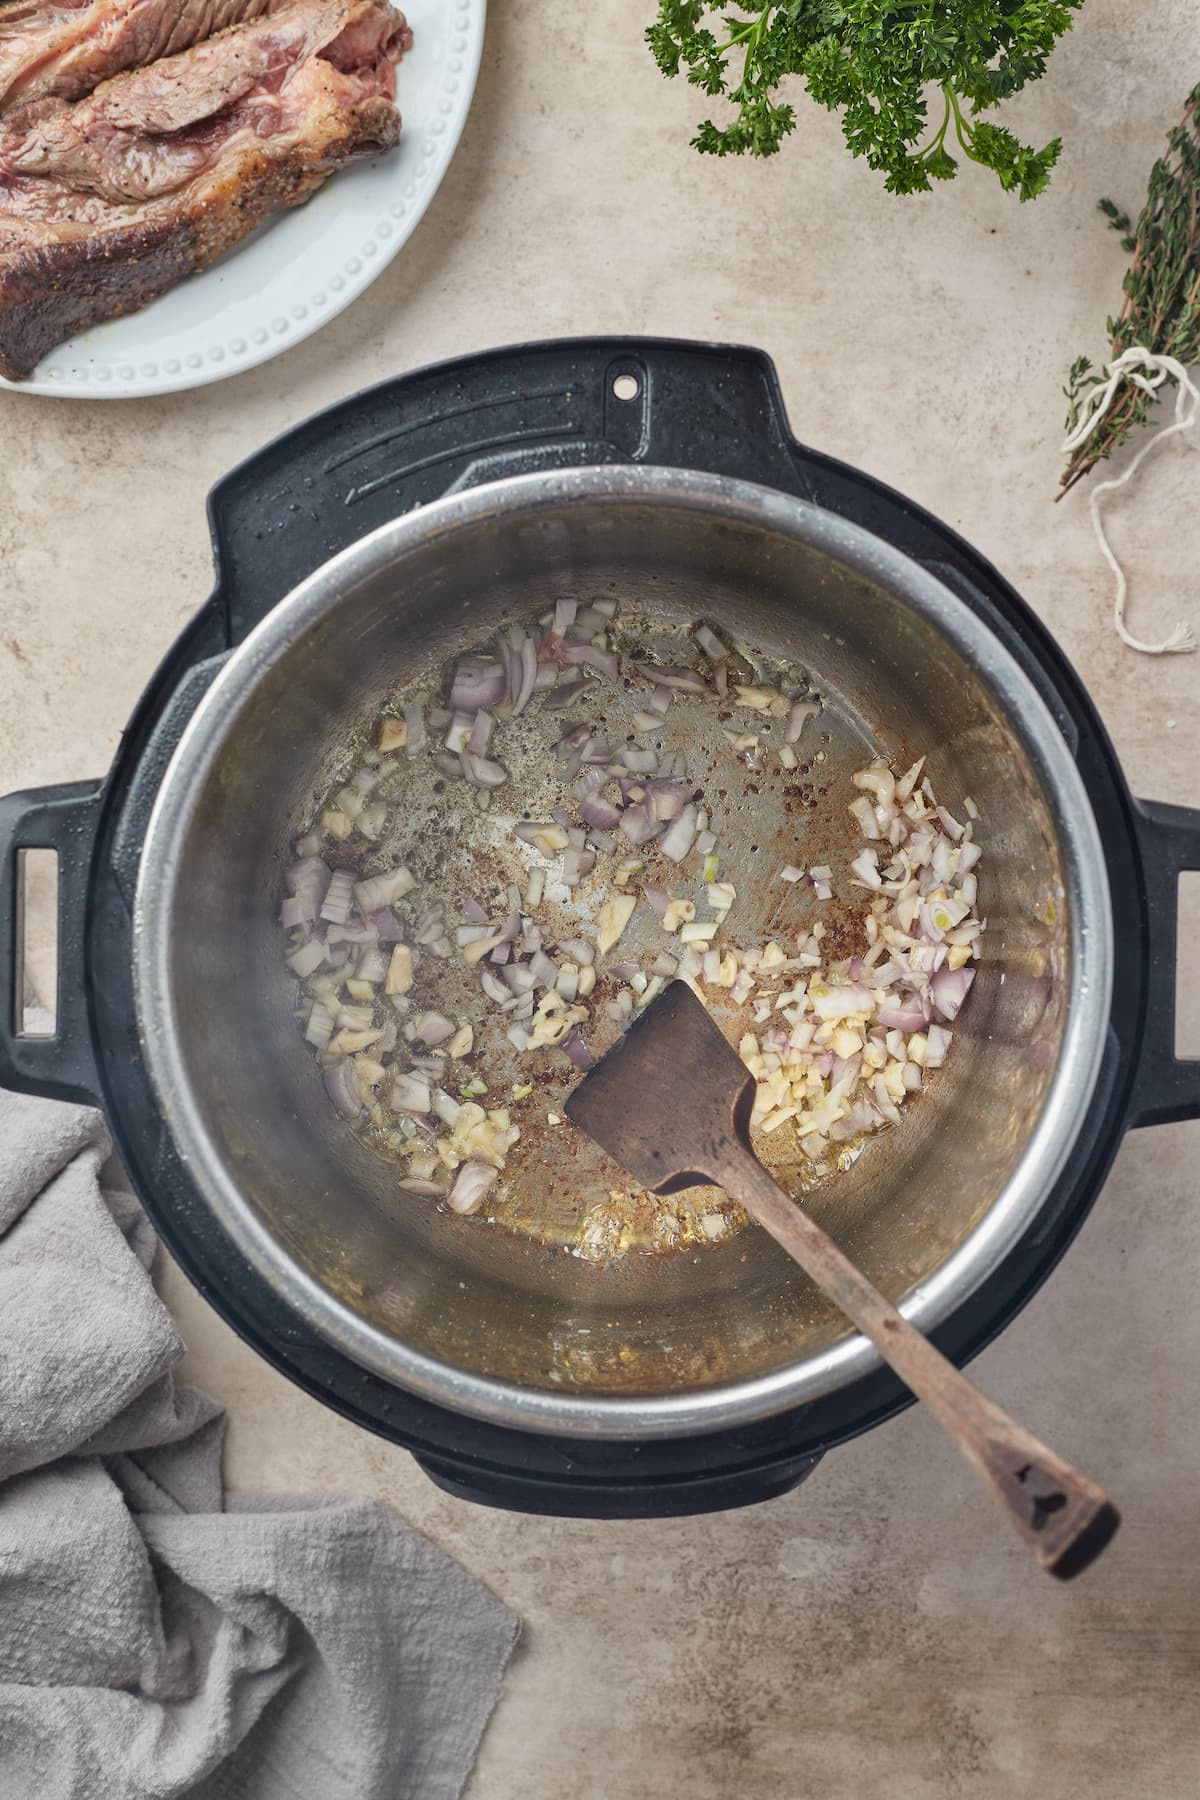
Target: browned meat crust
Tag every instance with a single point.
(75, 248)
(48, 48)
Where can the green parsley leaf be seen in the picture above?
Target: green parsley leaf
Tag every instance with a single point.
(875, 62)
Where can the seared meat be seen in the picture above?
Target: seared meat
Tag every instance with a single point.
(106, 204)
(146, 133)
(65, 48)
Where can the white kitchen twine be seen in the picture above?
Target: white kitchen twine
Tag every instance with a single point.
(1146, 370)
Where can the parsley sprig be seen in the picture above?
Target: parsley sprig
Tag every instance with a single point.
(875, 61)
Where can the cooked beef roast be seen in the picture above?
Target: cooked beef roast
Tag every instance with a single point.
(107, 203)
(146, 133)
(66, 48)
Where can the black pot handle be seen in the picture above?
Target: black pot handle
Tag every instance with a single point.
(1167, 1087)
(62, 819)
(580, 1498)
(567, 403)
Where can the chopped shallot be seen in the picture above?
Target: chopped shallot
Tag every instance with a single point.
(342, 1087)
(470, 1185)
(839, 1044)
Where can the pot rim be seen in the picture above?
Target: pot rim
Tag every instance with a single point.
(1090, 933)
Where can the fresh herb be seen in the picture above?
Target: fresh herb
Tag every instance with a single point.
(1161, 309)
(874, 60)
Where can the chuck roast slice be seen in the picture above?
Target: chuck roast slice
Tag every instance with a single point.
(65, 50)
(101, 210)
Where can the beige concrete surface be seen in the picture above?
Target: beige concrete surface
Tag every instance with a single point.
(876, 1635)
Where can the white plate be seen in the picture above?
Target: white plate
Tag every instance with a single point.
(304, 267)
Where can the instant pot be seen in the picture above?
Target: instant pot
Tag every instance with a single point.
(411, 520)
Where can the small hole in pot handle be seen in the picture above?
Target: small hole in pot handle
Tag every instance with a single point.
(626, 387)
(36, 943)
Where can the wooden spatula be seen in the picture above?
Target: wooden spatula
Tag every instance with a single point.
(672, 1104)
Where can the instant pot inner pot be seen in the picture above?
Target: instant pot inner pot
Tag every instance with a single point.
(516, 1305)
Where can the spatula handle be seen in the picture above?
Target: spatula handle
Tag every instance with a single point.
(1064, 1518)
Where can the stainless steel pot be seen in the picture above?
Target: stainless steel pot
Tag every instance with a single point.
(503, 1326)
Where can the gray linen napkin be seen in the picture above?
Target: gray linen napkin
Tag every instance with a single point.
(161, 1638)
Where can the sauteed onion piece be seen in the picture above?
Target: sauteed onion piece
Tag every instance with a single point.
(838, 1046)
